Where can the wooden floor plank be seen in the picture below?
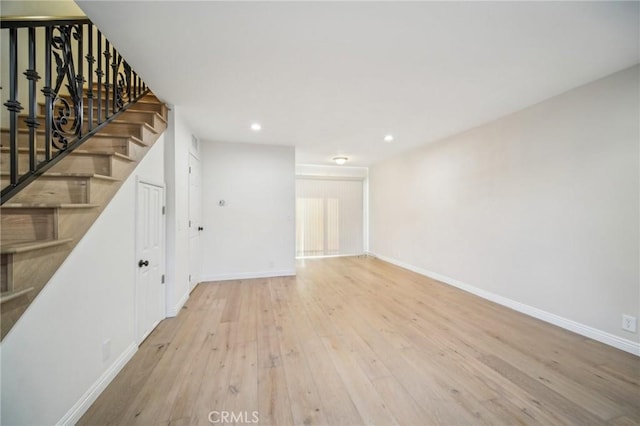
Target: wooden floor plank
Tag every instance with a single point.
(306, 405)
(273, 397)
(356, 340)
(188, 386)
(217, 375)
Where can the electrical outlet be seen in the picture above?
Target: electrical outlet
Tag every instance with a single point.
(106, 350)
(629, 323)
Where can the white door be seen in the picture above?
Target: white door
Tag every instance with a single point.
(195, 221)
(150, 289)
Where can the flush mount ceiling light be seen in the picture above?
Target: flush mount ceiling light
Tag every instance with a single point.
(340, 160)
(256, 127)
(388, 138)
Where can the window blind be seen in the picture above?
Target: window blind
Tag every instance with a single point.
(329, 217)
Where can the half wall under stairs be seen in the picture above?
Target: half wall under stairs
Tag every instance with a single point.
(42, 224)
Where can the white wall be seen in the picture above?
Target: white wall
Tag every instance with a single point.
(40, 8)
(177, 168)
(331, 171)
(538, 209)
(253, 234)
(28, 8)
(52, 358)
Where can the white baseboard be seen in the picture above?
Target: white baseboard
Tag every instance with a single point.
(249, 275)
(329, 256)
(576, 327)
(173, 312)
(79, 408)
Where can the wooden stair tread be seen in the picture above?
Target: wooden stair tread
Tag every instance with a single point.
(116, 121)
(147, 125)
(123, 157)
(142, 111)
(12, 248)
(135, 139)
(73, 175)
(81, 175)
(78, 152)
(95, 91)
(130, 109)
(97, 134)
(10, 295)
(48, 206)
(148, 101)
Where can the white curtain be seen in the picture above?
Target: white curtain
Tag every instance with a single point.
(329, 217)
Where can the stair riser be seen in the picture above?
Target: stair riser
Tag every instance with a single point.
(73, 223)
(120, 168)
(47, 261)
(23, 264)
(149, 118)
(54, 190)
(90, 164)
(140, 117)
(159, 108)
(149, 103)
(65, 191)
(124, 129)
(5, 273)
(98, 142)
(136, 151)
(43, 224)
(150, 99)
(119, 145)
(95, 86)
(23, 142)
(127, 116)
(101, 191)
(98, 164)
(21, 225)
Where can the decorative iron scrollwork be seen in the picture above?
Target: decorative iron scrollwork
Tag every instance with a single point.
(67, 125)
(125, 79)
(67, 117)
(121, 84)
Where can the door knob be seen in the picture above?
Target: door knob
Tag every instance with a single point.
(143, 263)
(200, 228)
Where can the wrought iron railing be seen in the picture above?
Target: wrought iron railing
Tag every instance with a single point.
(87, 84)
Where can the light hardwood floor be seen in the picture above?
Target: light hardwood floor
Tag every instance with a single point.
(353, 341)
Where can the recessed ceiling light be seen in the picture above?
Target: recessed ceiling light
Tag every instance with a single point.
(388, 138)
(256, 127)
(340, 160)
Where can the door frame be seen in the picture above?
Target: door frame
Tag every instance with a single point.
(163, 255)
(194, 151)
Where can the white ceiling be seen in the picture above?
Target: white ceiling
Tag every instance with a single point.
(333, 78)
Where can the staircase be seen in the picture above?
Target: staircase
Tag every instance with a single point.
(42, 223)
